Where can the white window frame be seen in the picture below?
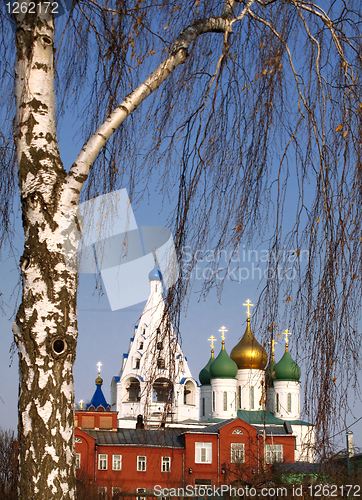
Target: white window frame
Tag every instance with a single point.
(102, 461)
(141, 490)
(203, 453)
(77, 460)
(165, 464)
(237, 453)
(116, 490)
(141, 463)
(273, 453)
(116, 462)
(102, 490)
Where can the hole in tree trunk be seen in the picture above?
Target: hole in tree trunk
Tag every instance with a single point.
(59, 346)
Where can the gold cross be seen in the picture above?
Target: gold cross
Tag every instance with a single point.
(248, 304)
(287, 333)
(223, 330)
(99, 367)
(212, 338)
(273, 342)
(81, 402)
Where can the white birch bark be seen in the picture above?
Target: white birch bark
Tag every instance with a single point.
(46, 326)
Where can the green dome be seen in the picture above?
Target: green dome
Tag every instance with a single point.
(270, 373)
(204, 375)
(223, 366)
(287, 369)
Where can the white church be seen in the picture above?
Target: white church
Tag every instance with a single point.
(155, 381)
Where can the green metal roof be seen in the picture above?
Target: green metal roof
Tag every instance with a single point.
(265, 417)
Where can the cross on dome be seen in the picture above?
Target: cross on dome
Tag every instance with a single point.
(287, 333)
(81, 403)
(99, 364)
(212, 338)
(273, 342)
(248, 304)
(223, 330)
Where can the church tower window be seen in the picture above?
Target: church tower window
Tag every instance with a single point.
(160, 363)
(137, 362)
(159, 346)
(252, 398)
(239, 397)
(203, 407)
(289, 402)
(225, 401)
(140, 347)
(213, 400)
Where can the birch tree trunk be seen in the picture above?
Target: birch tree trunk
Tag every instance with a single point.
(46, 326)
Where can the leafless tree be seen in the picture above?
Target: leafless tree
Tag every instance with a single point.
(244, 96)
(8, 465)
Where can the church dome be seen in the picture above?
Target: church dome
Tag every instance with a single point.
(248, 353)
(205, 375)
(223, 366)
(155, 274)
(287, 369)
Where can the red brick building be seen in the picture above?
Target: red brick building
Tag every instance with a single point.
(134, 461)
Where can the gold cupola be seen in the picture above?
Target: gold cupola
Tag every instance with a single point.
(248, 353)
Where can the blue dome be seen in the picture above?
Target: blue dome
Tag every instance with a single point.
(155, 274)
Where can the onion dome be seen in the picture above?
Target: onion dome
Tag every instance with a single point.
(248, 353)
(98, 401)
(287, 368)
(155, 274)
(205, 375)
(223, 366)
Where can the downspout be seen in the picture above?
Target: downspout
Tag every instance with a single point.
(258, 452)
(218, 459)
(183, 470)
(264, 449)
(95, 464)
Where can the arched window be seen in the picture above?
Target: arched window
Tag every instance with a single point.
(189, 393)
(133, 390)
(162, 390)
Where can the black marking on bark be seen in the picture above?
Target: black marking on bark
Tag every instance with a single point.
(42, 66)
(49, 137)
(31, 122)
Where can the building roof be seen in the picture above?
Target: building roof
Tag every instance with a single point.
(265, 418)
(138, 437)
(98, 399)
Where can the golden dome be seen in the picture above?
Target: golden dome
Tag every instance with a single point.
(248, 353)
